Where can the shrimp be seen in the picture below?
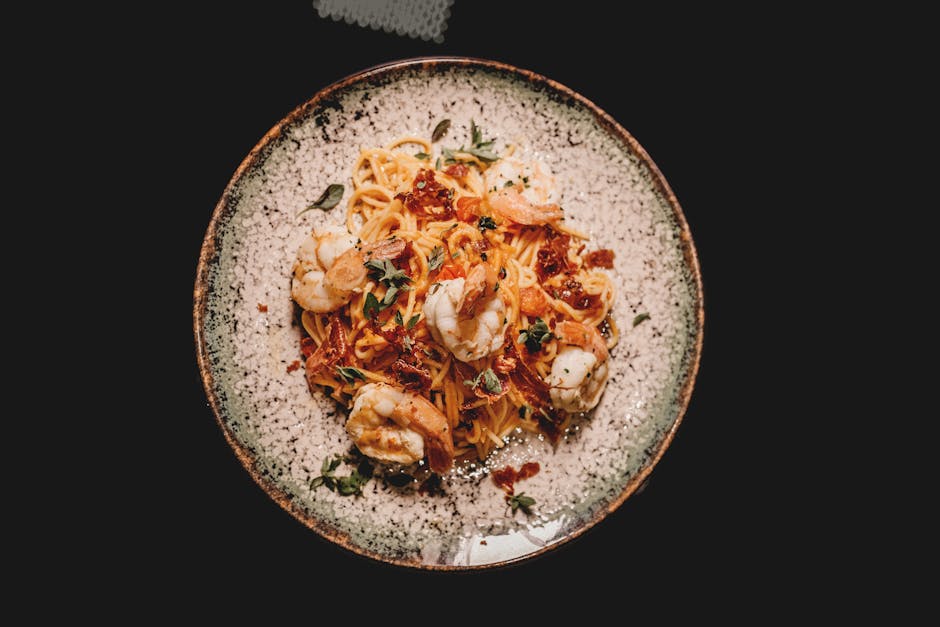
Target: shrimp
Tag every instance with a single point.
(579, 372)
(468, 316)
(329, 268)
(524, 192)
(513, 206)
(533, 179)
(391, 425)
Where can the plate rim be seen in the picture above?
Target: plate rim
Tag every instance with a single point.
(208, 252)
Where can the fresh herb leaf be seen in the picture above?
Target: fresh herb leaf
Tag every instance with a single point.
(386, 273)
(350, 374)
(440, 130)
(476, 135)
(640, 318)
(436, 259)
(449, 158)
(491, 382)
(489, 379)
(407, 343)
(371, 306)
(455, 255)
(483, 154)
(437, 164)
(327, 200)
(434, 287)
(536, 335)
(412, 321)
(486, 222)
(521, 501)
(390, 297)
(508, 184)
(398, 319)
(423, 156)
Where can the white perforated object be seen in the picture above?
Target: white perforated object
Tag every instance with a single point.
(424, 19)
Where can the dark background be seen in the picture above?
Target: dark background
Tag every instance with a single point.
(701, 95)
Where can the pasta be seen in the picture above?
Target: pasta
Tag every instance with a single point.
(458, 291)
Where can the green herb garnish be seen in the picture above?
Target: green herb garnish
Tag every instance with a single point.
(536, 335)
(440, 130)
(521, 501)
(327, 200)
(423, 156)
(412, 321)
(436, 259)
(398, 319)
(640, 318)
(486, 222)
(490, 381)
(350, 375)
(386, 273)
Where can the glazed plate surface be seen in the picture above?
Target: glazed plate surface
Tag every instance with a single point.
(282, 433)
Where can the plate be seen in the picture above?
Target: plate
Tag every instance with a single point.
(247, 333)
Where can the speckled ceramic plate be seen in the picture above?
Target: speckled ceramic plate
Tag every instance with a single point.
(282, 433)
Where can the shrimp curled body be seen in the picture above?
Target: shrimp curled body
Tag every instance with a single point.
(468, 316)
(330, 268)
(579, 372)
(392, 425)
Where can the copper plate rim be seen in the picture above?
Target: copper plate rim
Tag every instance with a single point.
(208, 252)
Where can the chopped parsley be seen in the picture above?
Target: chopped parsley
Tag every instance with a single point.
(436, 259)
(437, 164)
(327, 200)
(536, 335)
(508, 184)
(423, 156)
(412, 321)
(398, 319)
(640, 318)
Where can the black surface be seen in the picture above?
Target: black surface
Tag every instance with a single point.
(689, 96)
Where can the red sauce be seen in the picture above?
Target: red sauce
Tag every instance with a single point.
(506, 477)
(467, 208)
(294, 365)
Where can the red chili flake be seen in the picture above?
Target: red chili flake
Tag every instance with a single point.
(603, 258)
(262, 308)
(552, 258)
(294, 365)
(506, 477)
(428, 197)
(572, 292)
(467, 207)
(458, 171)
